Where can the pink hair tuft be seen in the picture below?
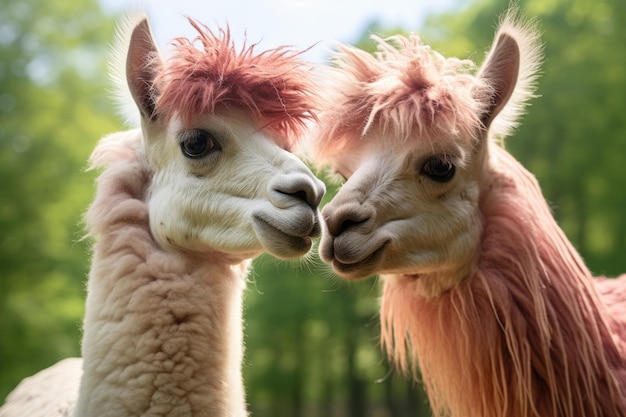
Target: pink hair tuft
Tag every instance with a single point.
(273, 85)
(405, 89)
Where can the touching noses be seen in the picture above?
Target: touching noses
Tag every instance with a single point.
(349, 216)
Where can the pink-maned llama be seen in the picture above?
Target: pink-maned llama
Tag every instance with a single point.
(182, 206)
(482, 290)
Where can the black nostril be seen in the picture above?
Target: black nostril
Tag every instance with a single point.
(347, 224)
(298, 189)
(345, 218)
(301, 195)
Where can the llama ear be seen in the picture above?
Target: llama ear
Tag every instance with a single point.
(142, 64)
(500, 72)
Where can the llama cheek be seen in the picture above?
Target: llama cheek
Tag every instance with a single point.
(436, 246)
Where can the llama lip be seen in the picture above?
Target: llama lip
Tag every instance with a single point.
(361, 266)
(307, 228)
(280, 242)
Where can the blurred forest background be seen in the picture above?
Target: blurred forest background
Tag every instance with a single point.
(312, 340)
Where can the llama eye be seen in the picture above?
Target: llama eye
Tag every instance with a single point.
(438, 168)
(197, 143)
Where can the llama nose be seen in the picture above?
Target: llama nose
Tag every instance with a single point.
(345, 217)
(296, 187)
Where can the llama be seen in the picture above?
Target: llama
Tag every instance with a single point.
(184, 203)
(482, 292)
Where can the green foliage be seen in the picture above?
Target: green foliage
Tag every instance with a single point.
(574, 138)
(311, 339)
(52, 112)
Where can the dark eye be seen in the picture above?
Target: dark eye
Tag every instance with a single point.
(197, 143)
(438, 168)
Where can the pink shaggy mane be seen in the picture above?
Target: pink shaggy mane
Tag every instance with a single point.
(526, 333)
(273, 85)
(405, 90)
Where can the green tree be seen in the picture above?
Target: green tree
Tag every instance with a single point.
(53, 109)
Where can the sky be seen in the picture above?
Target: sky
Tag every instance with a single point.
(301, 24)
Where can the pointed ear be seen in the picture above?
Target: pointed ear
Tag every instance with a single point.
(500, 72)
(142, 64)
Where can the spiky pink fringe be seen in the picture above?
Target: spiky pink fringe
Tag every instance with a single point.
(406, 90)
(274, 85)
(526, 334)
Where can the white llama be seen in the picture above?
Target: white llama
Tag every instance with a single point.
(184, 203)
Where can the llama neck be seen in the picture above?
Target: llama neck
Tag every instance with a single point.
(524, 335)
(162, 330)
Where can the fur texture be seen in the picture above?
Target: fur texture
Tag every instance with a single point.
(152, 315)
(60, 381)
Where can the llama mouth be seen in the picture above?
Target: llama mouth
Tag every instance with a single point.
(362, 267)
(280, 243)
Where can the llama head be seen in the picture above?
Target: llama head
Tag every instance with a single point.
(409, 131)
(217, 126)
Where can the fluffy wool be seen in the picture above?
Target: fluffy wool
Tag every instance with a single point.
(152, 314)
